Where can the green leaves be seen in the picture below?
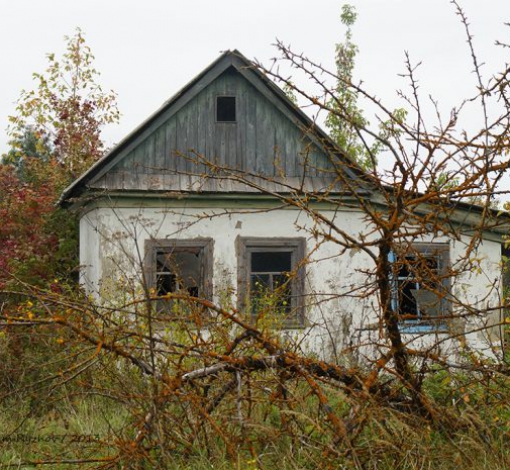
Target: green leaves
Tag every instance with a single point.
(348, 15)
(54, 136)
(345, 118)
(67, 109)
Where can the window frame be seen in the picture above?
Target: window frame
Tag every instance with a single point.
(421, 324)
(297, 246)
(204, 247)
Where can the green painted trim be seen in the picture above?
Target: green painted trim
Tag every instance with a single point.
(209, 201)
(464, 220)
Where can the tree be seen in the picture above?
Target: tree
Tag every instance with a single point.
(55, 135)
(346, 118)
(217, 381)
(38, 241)
(66, 112)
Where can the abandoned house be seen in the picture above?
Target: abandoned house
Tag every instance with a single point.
(230, 190)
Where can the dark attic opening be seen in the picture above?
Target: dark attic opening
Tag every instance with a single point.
(225, 108)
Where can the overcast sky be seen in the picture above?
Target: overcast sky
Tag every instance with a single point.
(147, 50)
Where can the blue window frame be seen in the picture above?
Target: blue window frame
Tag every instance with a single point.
(420, 287)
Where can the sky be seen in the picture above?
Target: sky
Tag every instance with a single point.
(147, 50)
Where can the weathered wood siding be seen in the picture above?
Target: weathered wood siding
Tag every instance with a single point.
(178, 152)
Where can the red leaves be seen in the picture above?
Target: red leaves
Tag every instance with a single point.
(24, 211)
(55, 136)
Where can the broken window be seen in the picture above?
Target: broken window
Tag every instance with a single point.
(420, 286)
(225, 108)
(179, 267)
(272, 279)
(179, 271)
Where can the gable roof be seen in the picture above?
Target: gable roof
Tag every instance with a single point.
(248, 70)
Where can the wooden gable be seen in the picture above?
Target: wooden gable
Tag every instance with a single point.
(270, 145)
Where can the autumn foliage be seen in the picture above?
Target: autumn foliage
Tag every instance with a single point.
(212, 387)
(54, 137)
(33, 231)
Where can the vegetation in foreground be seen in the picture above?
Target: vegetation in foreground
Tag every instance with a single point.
(99, 387)
(273, 420)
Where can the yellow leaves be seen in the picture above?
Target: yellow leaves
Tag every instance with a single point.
(465, 395)
(446, 381)
(26, 310)
(252, 464)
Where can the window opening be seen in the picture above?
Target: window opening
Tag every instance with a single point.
(225, 108)
(420, 288)
(179, 267)
(269, 277)
(178, 272)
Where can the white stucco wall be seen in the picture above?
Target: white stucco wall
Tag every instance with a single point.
(344, 312)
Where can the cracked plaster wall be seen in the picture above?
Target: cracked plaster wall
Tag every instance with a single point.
(341, 312)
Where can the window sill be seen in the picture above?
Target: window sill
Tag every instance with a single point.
(279, 323)
(413, 328)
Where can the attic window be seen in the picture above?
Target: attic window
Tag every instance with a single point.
(225, 109)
